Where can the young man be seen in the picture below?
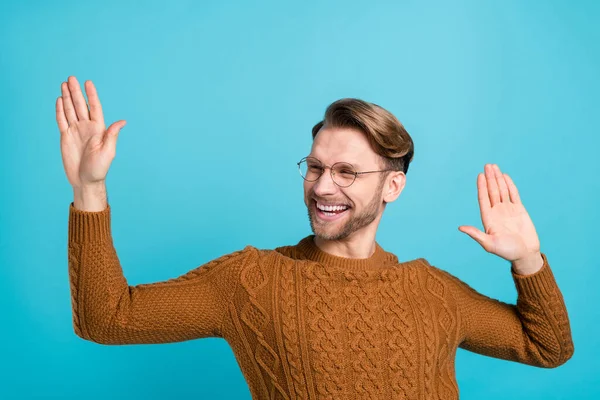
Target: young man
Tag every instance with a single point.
(334, 316)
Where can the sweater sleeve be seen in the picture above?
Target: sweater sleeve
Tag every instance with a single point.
(109, 311)
(534, 331)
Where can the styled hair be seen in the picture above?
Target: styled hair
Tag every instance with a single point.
(385, 133)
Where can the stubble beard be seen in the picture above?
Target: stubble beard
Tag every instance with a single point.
(352, 224)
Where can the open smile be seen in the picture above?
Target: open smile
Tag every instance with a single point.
(330, 212)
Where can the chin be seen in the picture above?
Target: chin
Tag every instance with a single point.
(327, 231)
(331, 236)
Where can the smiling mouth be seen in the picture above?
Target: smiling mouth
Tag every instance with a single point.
(330, 212)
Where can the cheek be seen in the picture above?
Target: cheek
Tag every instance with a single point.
(307, 190)
(352, 198)
(361, 200)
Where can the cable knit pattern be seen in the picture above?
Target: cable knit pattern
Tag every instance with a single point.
(74, 260)
(445, 389)
(367, 364)
(425, 332)
(324, 337)
(305, 324)
(401, 336)
(289, 325)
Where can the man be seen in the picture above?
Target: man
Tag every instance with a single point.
(334, 316)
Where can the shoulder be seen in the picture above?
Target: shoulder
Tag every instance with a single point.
(426, 266)
(293, 252)
(457, 286)
(434, 273)
(254, 255)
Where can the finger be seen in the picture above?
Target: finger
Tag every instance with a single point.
(68, 104)
(492, 185)
(112, 133)
(95, 106)
(480, 237)
(61, 119)
(482, 195)
(503, 188)
(78, 100)
(512, 188)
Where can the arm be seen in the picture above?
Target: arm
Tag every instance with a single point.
(535, 331)
(107, 310)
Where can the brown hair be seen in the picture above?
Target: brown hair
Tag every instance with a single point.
(386, 134)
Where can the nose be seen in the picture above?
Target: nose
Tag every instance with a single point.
(324, 185)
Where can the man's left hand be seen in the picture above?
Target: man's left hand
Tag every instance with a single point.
(509, 231)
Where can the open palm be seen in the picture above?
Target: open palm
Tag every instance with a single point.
(87, 147)
(509, 231)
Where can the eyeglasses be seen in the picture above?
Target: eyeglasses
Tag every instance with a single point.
(343, 174)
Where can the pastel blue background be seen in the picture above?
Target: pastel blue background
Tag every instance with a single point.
(219, 99)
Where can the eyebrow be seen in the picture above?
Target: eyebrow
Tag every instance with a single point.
(354, 164)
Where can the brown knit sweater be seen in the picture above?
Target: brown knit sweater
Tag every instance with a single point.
(304, 324)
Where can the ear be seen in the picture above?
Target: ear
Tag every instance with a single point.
(395, 183)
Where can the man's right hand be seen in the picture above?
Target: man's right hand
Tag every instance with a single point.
(87, 147)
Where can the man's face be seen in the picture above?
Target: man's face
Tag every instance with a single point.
(363, 199)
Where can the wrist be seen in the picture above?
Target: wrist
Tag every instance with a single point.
(529, 264)
(90, 197)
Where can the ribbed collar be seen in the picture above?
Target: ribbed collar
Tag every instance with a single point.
(378, 259)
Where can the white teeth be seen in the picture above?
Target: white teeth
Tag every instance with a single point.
(331, 208)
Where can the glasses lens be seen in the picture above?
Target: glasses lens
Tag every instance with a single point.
(310, 169)
(343, 174)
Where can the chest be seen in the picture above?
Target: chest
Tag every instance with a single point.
(367, 315)
(352, 319)
(328, 329)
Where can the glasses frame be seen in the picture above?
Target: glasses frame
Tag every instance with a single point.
(355, 173)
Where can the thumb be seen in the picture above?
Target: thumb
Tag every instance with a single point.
(479, 236)
(110, 139)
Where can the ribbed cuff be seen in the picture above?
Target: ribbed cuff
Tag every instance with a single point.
(88, 226)
(540, 283)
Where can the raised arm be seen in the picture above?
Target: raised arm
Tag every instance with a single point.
(107, 310)
(535, 331)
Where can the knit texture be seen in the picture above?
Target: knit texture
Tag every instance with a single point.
(305, 324)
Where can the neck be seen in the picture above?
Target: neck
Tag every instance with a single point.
(379, 257)
(354, 246)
